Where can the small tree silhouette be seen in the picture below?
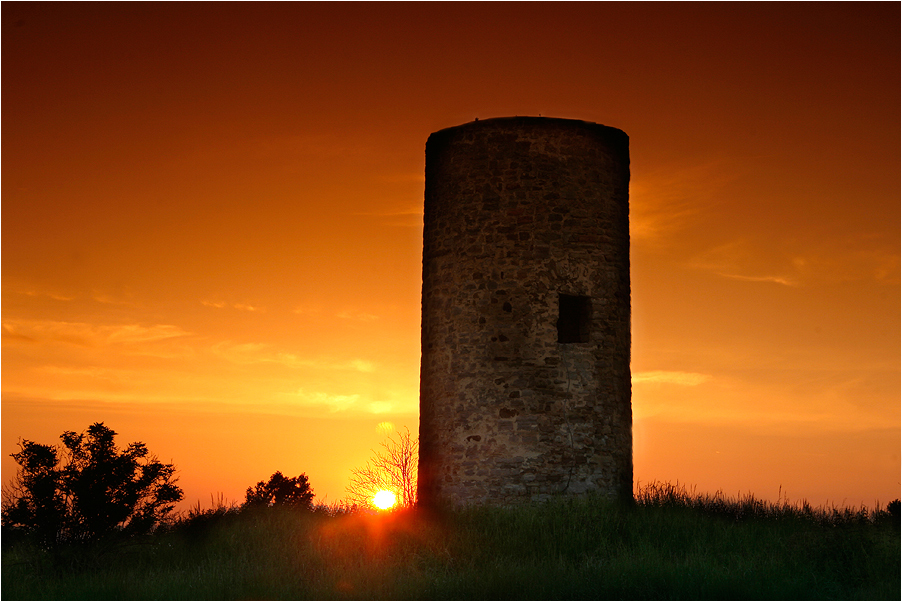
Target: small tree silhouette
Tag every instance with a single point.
(281, 491)
(392, 469)
(99, 489)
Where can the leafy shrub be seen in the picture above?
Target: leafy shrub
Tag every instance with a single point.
(281, 491)
(87, 489)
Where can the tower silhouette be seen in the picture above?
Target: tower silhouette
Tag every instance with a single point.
(525, 373)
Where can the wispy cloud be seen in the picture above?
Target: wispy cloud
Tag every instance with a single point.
(359, 316)
(95, 295)
(92, 372)
(354, 315)
(802, 262)
(238, 306)
(335, 402)
(408, 216)
(757, 405)
(49, 294)
(342, 402)
(851, 259)
(90, 335)
(775, 279)
(417, 176)
(740, 260)
(690, 379)
(10, 333)
(109, 299)
(407, 210)
(380, 407)
(262, 353)
(784, 280)
(136, 333)
(358, 365)
(663, 202)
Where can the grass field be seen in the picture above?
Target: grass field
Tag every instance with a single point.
(669, 545)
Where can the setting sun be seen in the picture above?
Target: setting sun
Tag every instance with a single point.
(384, 500)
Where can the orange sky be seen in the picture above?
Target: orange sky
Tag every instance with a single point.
(212, 226)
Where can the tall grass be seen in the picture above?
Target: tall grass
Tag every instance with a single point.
(669, 544)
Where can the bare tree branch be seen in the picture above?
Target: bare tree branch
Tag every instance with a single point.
(393, 468)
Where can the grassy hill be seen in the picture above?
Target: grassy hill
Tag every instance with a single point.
(668, 545)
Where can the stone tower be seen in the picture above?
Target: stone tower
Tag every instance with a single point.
(525, 373)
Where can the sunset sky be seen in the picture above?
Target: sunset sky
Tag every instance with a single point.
(212, 226)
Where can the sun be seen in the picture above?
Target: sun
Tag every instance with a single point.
(384, 500)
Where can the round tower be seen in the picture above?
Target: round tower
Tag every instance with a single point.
(525, 373)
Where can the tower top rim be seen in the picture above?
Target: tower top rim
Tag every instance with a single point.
(534, 122)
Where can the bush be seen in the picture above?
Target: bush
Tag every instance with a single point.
(87, 489)
(281, 491)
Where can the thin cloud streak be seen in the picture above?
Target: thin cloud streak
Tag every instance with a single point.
(411, 210)
(356, 315)
(689, 379)
(802, 263)
(831, 406)
(667, 201)
(335, 403)
(339, 402)
(264, 353)
(238, 306)
(738, 260)
(775, 279)
(91, 335)
(49, 295)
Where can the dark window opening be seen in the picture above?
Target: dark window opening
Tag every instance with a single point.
(574, 319)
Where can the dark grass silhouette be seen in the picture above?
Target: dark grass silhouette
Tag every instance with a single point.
(669, 544)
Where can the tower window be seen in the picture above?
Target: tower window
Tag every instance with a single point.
(574, 319)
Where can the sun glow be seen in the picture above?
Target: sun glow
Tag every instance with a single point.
(384, 500)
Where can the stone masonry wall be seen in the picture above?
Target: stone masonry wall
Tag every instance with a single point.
(518, 212)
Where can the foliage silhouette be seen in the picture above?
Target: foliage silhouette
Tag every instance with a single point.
(394, 469)
(281, 491)
(87, 489)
